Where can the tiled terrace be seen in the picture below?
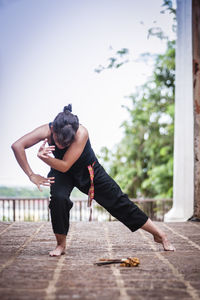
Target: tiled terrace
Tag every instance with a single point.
(27, 272)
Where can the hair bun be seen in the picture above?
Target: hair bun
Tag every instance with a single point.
(68, 108)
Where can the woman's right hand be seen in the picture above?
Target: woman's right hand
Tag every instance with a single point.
(40, 180)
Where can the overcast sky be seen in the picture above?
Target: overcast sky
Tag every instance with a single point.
(48, 52)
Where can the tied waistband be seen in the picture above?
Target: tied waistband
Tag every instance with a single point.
(91, 189)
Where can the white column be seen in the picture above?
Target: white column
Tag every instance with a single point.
(183, 185)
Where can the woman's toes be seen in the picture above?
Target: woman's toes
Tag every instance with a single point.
(58, 251)
(168, 246)
(162, 239)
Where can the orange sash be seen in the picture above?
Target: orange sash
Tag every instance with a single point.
(91, 189)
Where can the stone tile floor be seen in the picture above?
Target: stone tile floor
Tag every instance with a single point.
(27, 272)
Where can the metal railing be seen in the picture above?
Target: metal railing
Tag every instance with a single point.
(24, 209)
(37, 209)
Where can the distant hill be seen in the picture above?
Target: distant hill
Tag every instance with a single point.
(7, 191)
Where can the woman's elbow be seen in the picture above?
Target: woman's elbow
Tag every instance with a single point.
(15, 146)
(64, 168)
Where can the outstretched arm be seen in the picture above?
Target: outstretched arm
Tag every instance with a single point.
(25, 142)
(71, 155)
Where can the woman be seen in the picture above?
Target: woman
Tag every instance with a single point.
(75, 165)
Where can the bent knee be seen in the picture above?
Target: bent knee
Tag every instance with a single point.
(60, 202)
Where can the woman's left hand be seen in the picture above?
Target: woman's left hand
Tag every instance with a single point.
(43, 151)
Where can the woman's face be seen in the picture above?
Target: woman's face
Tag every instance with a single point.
(56, 142)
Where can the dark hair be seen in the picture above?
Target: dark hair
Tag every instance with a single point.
(65, 126)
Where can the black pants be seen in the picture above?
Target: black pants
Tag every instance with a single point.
(106, 192)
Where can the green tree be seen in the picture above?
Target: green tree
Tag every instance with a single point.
(142, 162)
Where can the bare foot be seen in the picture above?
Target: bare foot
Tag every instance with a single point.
(59, 250)
(162, 239)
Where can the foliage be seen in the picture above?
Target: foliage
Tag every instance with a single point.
(168, 6)
(142, 162)
(115, 62)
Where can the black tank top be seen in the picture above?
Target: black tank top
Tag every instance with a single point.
(87, 156)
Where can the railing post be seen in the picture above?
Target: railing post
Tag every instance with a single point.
(24, 209)
(80, 206)
(163, 210)
(3, 211)
(48, 217)
(14, 217)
